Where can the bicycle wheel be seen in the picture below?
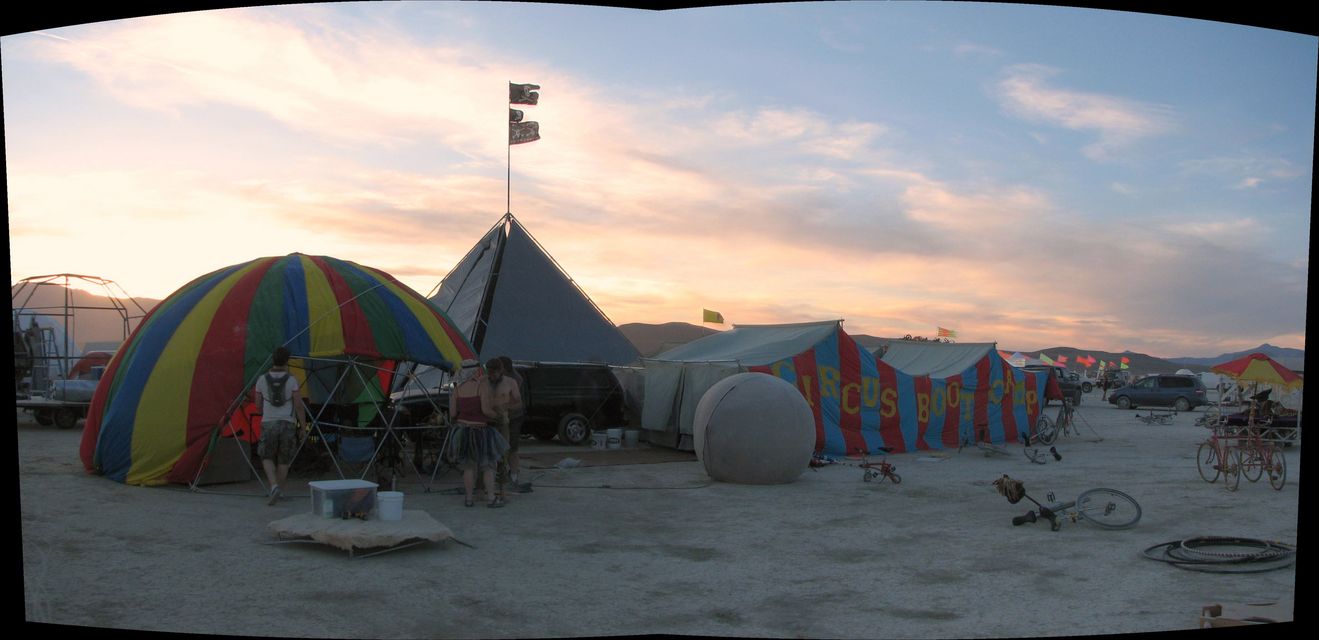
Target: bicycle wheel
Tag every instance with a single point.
(1045, 430)
(1108, 508)
(1277, 468)
(1206, 460)
(1232, 469)
(1252, 463)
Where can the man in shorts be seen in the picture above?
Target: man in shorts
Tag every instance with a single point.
(501, 395)
(281, 415)
(516, 415)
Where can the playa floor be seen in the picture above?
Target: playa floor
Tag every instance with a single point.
(661, 548)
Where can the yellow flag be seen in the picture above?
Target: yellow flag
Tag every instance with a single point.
(713, 316)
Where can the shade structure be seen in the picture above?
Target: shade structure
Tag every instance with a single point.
(166, 392)
(1258, 367)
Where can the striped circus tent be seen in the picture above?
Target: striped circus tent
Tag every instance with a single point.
(167, 392)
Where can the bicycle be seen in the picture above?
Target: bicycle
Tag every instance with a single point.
(1047, 431)
(1255, 456)
(1157, 418)
(1217, 455)
(1105, 508)
(881, 470)
(1035, 456)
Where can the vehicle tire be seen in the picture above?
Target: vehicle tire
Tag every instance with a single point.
(1108, 508)
(1206, 460)
(1086, 387)
(574, 428)
(43, 417)
(1124, 402)
(67, 418)
(1278, 470)
(1182, 405)
(1232, 470)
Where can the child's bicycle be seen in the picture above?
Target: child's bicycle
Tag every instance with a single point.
(880, 470)
(1104, 508)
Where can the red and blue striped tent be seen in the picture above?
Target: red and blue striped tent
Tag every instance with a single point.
(916, 397)
(169, 389)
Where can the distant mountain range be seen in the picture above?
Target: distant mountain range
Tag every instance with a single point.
(103, 325)
(1293, 359)
(96, 321)
(653, 339)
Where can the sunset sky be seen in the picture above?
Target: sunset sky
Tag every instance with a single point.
(1030, 175)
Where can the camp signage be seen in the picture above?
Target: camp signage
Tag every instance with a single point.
(861, 403)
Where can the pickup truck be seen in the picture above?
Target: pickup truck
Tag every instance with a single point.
(564, 400)
(1068, 381)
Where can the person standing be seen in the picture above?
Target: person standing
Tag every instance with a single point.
(476, 445)
(509, 469)
(281, 417)
(499, 395)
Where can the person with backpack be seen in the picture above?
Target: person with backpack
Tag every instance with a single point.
(281, 416)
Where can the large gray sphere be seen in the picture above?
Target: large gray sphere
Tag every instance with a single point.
(754, 428)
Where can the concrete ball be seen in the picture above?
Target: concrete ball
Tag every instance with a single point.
(754, 428)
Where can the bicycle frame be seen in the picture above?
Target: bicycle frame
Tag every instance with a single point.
(1102, 507)
(880, 470)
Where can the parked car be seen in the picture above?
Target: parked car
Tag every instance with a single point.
(1087, 383)
(1181, 392)
(565, 401)
(1069, 384)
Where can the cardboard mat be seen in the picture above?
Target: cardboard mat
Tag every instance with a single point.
(606, 457)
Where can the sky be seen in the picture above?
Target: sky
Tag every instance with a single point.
(1035, 176)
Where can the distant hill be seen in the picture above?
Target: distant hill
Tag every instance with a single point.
(1138, 363)
(653, 339)
(94, 317)
(1293, 359)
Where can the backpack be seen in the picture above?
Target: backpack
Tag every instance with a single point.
(276, 386)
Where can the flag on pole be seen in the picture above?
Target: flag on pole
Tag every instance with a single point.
(1125, 363)
(712, 316)
(947, 333)
(1045, 359)
(1062, 360)
(520, 132)
(523, 132)
(523, 93)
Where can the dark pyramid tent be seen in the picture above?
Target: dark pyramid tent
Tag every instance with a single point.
(508, 297)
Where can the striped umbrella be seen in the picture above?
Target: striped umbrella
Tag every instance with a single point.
(167, 390)
(1260, 368)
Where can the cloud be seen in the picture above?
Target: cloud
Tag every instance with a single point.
(975, 49)
(1245, 171)
(1025, 92)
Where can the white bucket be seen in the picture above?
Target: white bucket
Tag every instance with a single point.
(390, 504)
(631, 437)
(599, 440)
(615, 439)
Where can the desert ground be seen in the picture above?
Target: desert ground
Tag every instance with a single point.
(661, 548)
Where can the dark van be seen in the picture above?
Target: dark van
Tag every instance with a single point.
(1181, 392)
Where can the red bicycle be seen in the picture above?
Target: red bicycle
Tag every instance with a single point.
(878, 470)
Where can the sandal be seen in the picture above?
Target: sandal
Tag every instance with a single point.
(496, 503)
(467, 502)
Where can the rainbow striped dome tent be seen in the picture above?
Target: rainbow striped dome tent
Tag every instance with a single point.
(169, 390)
